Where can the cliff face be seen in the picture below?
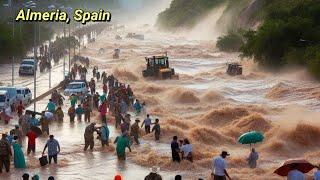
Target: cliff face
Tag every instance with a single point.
(185, 13)
(247, 18)
(237, 14)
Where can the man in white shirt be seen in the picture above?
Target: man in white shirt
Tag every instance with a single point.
(219, 167)
(186, 150)
(317, 174)
(294, 173)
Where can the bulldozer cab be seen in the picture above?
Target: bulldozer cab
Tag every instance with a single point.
(234, 69)
(157, 62)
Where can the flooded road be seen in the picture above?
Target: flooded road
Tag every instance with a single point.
(209, 107)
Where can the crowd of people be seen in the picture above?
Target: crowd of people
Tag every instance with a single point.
(116, 100)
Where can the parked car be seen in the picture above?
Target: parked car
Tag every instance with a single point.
(4, 99)
(24, 94)
(28, 66)
(76, 87)
(11, 95)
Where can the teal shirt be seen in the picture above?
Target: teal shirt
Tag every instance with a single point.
(79, 110)
(51, 107)
(122, 143)
(103, 97)
(73, 101)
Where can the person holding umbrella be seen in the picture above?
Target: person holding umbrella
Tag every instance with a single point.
(252, 159)
(294, 169)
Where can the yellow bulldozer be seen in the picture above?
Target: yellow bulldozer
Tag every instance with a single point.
(158, 67)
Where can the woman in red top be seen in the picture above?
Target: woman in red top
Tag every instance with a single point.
(31, 142)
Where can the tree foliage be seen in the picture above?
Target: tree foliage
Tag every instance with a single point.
(230, 42)
(290, 34)
(23, 40)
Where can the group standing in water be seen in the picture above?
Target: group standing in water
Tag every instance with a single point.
(117, 100)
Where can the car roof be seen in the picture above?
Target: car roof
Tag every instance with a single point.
(28, 59)
(19, 88)
(3, 91)
(76, 83)
(5, 87)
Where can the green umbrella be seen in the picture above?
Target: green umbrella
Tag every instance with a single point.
(251, 137)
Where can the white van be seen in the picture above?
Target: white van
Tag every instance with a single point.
(4, 99)
(24, 94)
(76, 87)
(28, 66)
(12, 94)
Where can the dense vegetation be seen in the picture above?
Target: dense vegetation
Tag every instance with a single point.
(230, 42)
(185, 13)
(290, 35)
(23, 40)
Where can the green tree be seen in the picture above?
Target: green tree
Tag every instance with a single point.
(230, 42)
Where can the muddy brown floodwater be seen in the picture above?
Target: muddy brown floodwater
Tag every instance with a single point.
(205, 105)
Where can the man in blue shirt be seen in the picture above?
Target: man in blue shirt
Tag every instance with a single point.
(147, 124)
(53, 149)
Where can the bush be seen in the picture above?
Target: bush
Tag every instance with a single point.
(230, 42)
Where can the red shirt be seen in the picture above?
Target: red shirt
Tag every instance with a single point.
(31, 138)
(20, 108)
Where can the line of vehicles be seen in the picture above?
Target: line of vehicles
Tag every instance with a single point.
(10, 96)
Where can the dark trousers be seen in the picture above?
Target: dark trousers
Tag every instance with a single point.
(45, 129)
(79, 117)
(121, 157)
(147, 129)
(118, 122)
(157, 136)
(104, 119)
(88, 142)
(103, 143)
(55, 159)
(72, 118)
(87, 116)
(176, 157)
(31, 147)
(4, 161)
(136, 139)
(215, 177)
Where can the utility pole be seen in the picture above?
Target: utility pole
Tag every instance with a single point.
(69, 51)
(35, 67)
(49, 59)
(64, 57)
(12, 63)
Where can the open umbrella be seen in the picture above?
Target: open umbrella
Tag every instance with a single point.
(251, 137)
(301, 165)
(36, 130)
